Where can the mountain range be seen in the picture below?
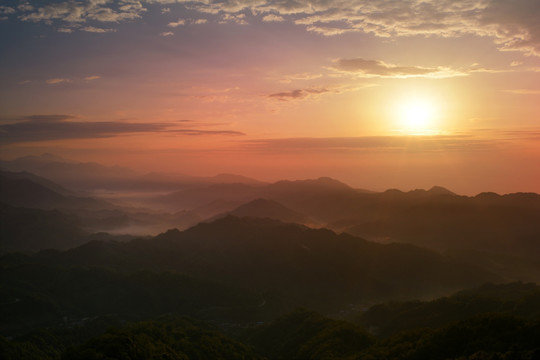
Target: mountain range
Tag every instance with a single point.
(497, 232)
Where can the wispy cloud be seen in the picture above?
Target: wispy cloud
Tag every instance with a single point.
(273, 18)
(182, 22)
(298, 93)
(174, 24)
(523, 91)
(438, 143)
(195, 132)
(379, 68)
(94, 29)
(6, 10)
(92, 77)
(62, 127)
(54, 81)
(239, 19)
(303, 76)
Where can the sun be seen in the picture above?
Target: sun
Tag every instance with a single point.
(416, 115)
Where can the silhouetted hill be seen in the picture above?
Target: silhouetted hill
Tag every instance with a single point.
(520, 200)
(216, 207)
(499, 232)
(37, 180)
(263, 208)
(42, 295)
(321, 199)
(234, 179)
(490, 336)
(156, 181)
(323, 184)
(307, 335)
(69, 173)
(439, 190)
(203, 195)
(35, 229)
(24, 192)
(304, 334)
(300, 335)
(301, 266)
(515, 299)
(163, 339)
(90, 176)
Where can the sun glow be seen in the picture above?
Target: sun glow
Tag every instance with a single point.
(416, 116)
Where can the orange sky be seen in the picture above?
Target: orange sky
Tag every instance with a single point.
(280, 89)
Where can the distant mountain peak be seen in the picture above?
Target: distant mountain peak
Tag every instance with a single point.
(322, 182)
(435, 190)
(234, 178)
(43, 159)
(264, 209)
(439, 190)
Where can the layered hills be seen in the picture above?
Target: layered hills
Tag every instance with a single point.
(105, 247)
(289, 265)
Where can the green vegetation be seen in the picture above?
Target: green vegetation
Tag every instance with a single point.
(36, 296)
(166, 338)
(484, 337)
(515, 299)
(308, 335)
(299, 335)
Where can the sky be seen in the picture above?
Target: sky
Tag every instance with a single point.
(376, 93)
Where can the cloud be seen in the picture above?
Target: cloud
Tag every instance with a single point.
(65, 30)
(25, 7)
(54, 81)
(382, 69)
(82, 11)
(303, 76)
(166, 33)
(46, 118)
(298, 93)
(239, 19)
(512, 25)
(6, 10)
(438, 143)
(93, 29)
(182, 22)
(177, 23)
(195, 132)
(314, 92)
(523, 91)
(61, 127)
(273, 18)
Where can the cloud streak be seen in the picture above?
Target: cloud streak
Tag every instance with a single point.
(35, 128)
(298, 94)
(378, 68)
(438, 143)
